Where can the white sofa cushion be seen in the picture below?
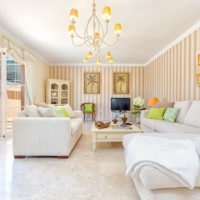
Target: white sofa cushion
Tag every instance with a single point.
(149, 122)
(168, 127)
(184, 106)
(75, 125)
(47, 112)
(32, 111)
(69, 110)
(193, 115)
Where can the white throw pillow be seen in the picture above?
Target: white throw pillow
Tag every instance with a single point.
(193, 115)
(183, 106)
(47, 112)
(32, 111)
(70, 111)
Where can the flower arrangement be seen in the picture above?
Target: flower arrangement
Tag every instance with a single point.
(138, 104)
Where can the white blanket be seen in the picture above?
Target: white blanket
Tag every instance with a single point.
(176, 158)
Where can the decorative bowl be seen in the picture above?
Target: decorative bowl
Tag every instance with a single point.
(115, 121)
(101, 125)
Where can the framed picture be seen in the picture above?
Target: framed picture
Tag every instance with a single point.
(198, 79)
(198, 59)
(91, 83)
(121, 83)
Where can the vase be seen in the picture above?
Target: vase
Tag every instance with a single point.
(137, 119)
(124, 119)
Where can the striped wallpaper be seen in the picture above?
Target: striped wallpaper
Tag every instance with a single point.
(171, 76)
(102, 100)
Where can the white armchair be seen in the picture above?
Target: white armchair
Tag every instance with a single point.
(41, 136)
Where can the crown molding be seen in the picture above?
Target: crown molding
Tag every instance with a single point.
(19, 43)
(102, 65)
(173, 43)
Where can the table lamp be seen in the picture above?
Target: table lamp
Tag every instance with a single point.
(153, 101)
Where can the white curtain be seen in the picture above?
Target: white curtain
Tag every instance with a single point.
(23, 57)
(3, 93)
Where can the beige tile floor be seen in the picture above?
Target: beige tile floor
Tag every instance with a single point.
(84, 176)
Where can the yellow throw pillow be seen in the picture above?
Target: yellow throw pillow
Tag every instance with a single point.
(156, 113)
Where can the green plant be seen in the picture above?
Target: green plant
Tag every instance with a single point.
(137, 109)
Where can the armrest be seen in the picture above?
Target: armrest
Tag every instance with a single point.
(79, 114)
(144, 113)
(41, 135)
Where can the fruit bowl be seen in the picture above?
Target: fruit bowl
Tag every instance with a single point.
(101, 125)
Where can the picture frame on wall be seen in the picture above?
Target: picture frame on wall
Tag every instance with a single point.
(120, 83)
(198, 68)
(91, 83)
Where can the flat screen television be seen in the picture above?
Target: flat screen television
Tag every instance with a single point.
(120, 104)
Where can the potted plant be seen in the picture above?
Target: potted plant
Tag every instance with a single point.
(124, 118)
(138, 104)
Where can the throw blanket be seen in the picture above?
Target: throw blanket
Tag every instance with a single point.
(176, 158)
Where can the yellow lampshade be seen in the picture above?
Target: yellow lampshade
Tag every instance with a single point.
(108, 54)
(73, 15)
(85, 59)
(89, 54)
(118, 29)
(98, 62)
(152, 101)
(110, 60)
(107, 13)
(71, 30)
(97, 37)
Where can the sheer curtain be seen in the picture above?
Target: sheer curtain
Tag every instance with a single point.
(3, 94)
(9, 49)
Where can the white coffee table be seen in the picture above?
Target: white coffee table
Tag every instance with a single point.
(110, 134)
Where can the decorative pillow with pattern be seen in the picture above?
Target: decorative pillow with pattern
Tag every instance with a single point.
(60, 111)
(171, 114)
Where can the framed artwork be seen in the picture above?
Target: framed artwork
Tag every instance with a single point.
(198, 79)
(198, 68)
(91, 83)
(198, 59)
(121, 83)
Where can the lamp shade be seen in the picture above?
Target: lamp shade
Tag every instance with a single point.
(89, 54)
(85, 59)
(152, 101)
(110, 60)
(118, 29)
(73, 15)
(108, 54)
(71, 30)
(107, 13)
(98, 62)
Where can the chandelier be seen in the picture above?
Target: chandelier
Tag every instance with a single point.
(94, 35)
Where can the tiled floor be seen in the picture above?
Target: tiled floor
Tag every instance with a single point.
(84, 176)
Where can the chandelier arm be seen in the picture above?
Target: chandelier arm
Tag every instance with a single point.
(79, 45)
(111, 44)
(79, 36)
(99, 23)
(106, 32)
(86, 28)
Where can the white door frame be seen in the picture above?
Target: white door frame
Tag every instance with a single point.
(3, 94)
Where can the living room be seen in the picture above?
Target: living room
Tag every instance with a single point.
(89, 89)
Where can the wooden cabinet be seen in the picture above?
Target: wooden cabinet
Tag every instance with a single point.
(58, 92)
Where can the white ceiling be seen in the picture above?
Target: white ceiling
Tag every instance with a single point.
(148, 26)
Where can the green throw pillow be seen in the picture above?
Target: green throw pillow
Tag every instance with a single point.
(88, 107)
(60, 111)
(156, 113)
(171, 114)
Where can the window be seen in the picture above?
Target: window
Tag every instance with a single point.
(15, 90)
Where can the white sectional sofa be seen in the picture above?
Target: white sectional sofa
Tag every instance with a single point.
(188, 120)
(45, 136)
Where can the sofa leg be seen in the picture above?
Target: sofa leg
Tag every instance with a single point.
(63, 157)
(19, 157)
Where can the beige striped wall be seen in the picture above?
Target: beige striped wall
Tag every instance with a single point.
(172, 75)
(102, 101)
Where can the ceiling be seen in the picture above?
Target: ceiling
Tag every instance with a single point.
(148, 26)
